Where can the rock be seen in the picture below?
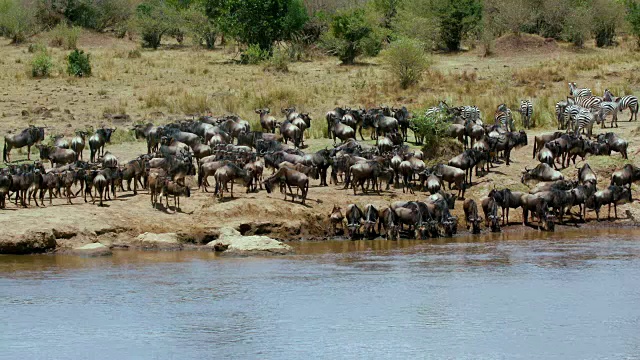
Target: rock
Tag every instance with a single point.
(25, 113)
(232, 243)
(31, 242)
(165, 241)
(92, 249)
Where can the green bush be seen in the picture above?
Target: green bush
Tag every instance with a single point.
(17, 21)
(36, 47)
(41, 65)
(279, 61)
(407, 61)
(457, 19)
(633, 18)
(202, 29)
(254, 55)
(577, 25)
(351, 35)
(65, 36)
(431, 129)
(606, 16)
(154, 19)
(263, 22)
(78, 64)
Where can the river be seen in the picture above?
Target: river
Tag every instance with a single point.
(571, 295)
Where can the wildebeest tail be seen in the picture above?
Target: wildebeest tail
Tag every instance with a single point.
(4, 151)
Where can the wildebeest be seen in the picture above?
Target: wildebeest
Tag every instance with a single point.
(290, 132)
(538, 205)
(370, 219)
(507, 200)
(289, 177)
(389, 221)
(510, 141)
(545, 156)
(540, 141)
(50, 183)
(471, 215)
(341, 131)
(542, 172)
(490, 210)
(615, 143)
(581, 194)
(98, 140)
(451, 175)
(5, 185)
(614, 194)
(267, 121)
(133, 170)
(585, 174)
(409, 213)
(553, 185)
(336, 218)
(78, 143)
(60, 142)
(354, 220)
(101, 185)
(176, 190)
(150, 133)
(27, 137)
(57, 156)
(208, 169)
(467, 161)
(626, 176)
(229, 173)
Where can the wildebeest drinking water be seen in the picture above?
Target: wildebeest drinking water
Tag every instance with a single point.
(27, 137)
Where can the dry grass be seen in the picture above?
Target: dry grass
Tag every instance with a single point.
(182, 81)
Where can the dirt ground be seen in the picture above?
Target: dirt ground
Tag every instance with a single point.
(71, 103)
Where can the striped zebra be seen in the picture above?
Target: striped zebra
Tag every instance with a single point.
(608, 108)
(471, 113)
(560, 106)
(569, 116)
(575, 91)
(625, 102)
(526, 110)
(503, 118)
(584, 121)
(589, 102)
(442, 106)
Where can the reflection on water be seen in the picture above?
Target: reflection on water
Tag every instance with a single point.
(569, 295)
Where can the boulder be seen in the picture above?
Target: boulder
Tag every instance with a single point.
(231, 242)
(164, 241)
(92, 249)
(31, 242)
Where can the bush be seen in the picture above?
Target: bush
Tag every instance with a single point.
(606, 16)
(41, 65)
(279, 61)
(407, 61)
(578, 25)
(65, 36)
(263, 22)
(633, 18)
(202, 29)
(78, 64)
(457, 18)
(17, 21)
(153, 20)
(350, 36)
(432, 129)
(254, 55)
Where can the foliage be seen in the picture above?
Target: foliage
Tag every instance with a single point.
(65, 36)
(457, 19)
(41, 65)
(578, 25)
(279, 61)
(154, 19)
(350, 36)
(633, 17)
(407, 61)
(78, 64)
(431, 128)
(17, 21)
(605, 20)
(262, 22)
(254, 55)
(418, 22)
(36, 47)
(202, 29)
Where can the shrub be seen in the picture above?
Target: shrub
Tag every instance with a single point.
(263, 22)
(41, 65)
(254, 55)
(65, 36)
(17, 21)
(202, 29)
(633, 18)
(432, 129)
(407, 61)
(350, 35)
(78, 64)
(578, 25)
(457, 18)
(606, 16)
(153, 20)
(279, 61)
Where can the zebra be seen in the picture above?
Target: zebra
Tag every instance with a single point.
(589, 102)
(584, 121)
(575, 91)
(569, 115)
(624, 102)
(560, 106)
(607, 108)
(442, 106)
(503, 118)
(526, 110)
(471, 113)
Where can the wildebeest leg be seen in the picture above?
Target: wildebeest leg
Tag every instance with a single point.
(28, 152)
(609, 214)
(232, 181)
(135, 187)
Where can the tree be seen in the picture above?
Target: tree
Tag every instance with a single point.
(350, 36)
(154, 19)
(457, 19)
(407, 61)
(17, 21)
(262, 22)
(633, 18)
(201, 27)
(606, 16)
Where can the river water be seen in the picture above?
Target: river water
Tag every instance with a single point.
(571, 295)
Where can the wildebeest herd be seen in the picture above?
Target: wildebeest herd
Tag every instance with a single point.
(226, 149)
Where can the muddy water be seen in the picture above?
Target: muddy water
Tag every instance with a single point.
(570, 295)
